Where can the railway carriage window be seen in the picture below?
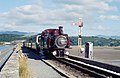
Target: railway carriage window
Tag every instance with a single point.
(45, 39)
(39, 39)
(46, 34)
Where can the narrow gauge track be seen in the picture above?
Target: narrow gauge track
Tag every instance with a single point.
(84, 67)
(90, 69)
(5, 56)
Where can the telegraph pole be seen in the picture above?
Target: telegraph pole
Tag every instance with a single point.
(80, 25)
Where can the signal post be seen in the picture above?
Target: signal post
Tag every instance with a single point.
(80, 25)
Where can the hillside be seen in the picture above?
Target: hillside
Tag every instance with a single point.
(10, 37)
(97, 41)
(17, 33)
(13, 32)
(113, 37)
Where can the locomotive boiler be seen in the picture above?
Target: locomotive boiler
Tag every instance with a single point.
(51, 41)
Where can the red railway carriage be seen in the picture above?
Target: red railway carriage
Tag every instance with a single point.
(54, 41)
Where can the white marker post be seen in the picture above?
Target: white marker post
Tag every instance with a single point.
(80, 25)
(89, 50)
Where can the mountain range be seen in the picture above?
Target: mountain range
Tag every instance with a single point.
(33, 33)
(17, 32)
(107, 37)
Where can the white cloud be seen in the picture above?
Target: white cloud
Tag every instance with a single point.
(32, 14)
(91, 5)
(63, 12)
(98, 28)
(9, 25)
(109, 17)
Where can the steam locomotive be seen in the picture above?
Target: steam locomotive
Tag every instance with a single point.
(50, 41)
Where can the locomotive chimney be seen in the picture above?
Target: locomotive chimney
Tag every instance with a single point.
(60, 30)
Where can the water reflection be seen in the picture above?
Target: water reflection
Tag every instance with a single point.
(4, 47)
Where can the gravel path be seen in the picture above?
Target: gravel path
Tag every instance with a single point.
(37, 68)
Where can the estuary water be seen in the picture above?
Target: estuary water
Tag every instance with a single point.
(114, 62)
(5, 47)
(4, 51)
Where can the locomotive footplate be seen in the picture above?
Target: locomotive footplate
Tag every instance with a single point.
(55, 48)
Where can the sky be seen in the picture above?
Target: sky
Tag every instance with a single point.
(100, 17)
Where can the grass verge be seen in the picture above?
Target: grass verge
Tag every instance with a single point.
(23, 69)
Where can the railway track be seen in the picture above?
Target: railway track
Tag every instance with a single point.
(86, 68)
(97, 70)
(76, 67)
(4, 56)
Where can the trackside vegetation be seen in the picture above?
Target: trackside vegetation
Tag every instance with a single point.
(23, 69)
(97, 41)
(1, 43)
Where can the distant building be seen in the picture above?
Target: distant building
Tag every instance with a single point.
(7, 43)
(17, 41)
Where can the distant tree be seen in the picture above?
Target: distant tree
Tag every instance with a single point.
(10, 37)
(96, 41)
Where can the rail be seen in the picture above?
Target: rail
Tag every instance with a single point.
(93, 68)
(96, 63)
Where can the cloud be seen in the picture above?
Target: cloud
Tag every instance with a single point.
(109, 17)
(91, 5)
(98, 28)
(34, 14)
(47, 13)
(8, 26)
